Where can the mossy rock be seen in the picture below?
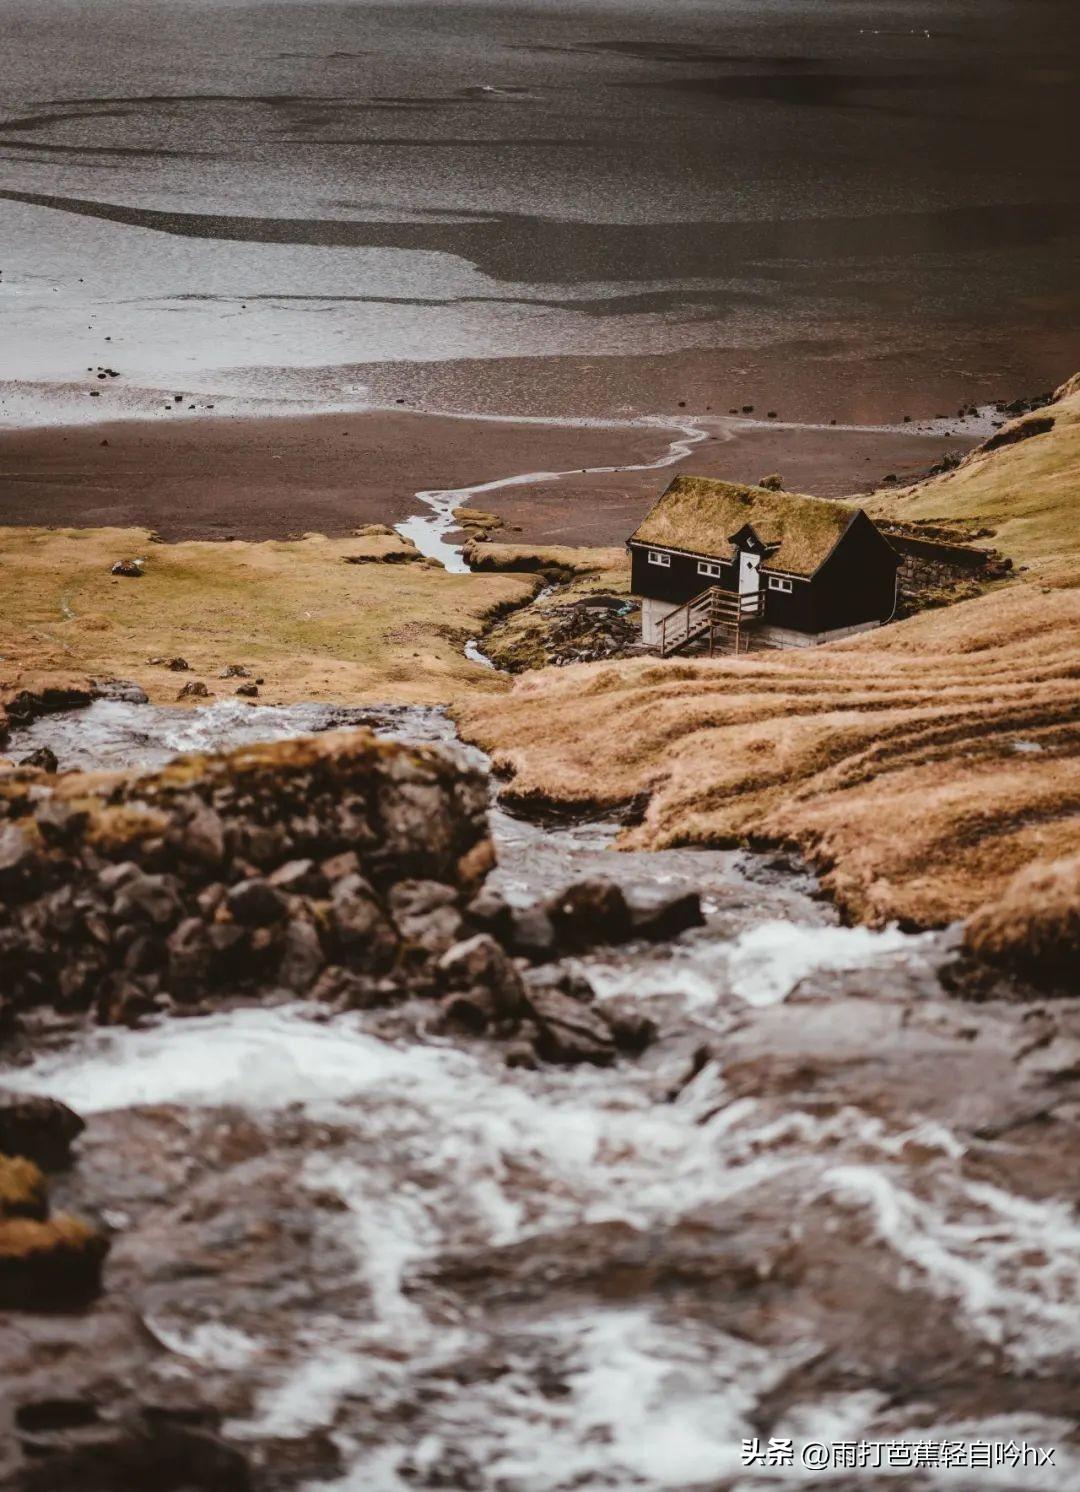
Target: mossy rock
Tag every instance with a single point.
(477, 518)
(22, 1189)
(54, 1265)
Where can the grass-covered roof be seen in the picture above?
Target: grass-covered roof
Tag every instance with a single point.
(700, 515)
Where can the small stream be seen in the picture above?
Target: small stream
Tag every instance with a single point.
(429, 531)
(514, 1280)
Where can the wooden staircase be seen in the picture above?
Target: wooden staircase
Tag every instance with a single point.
(720, 617)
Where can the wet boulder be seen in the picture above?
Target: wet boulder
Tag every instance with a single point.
(44, 759)
(147, 898)
(49, 1265)
(136, 1457)
(201, 838)
(348, 989)
(532, 933)
(426, 914)
(588, 913)
(491, 912)
(567, 977)
(302, 959)
(632, 1029)
(567, 1030)
(255, 903)
(41, 1129)
(360, 923)
(660, 914)
(481, 963)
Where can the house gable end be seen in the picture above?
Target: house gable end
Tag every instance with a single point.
(861, 534)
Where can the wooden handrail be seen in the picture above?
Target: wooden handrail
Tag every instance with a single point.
(705, 612)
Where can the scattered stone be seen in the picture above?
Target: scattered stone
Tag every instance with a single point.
(122, 690)
(129, 567)
(234, 671)
(774, 482)
(248, 691)
(631, 1029)
(568, 1031)
(195, 689)
(44, 759)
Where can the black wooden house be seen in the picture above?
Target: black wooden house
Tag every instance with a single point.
(738, 567)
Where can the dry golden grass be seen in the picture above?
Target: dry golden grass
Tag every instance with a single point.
(296, 613)
(556, 558)
(920, 767)
(1036, 923)
(700, 515)
(1029, 493)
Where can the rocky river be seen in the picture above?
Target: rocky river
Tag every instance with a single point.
(822, 1200)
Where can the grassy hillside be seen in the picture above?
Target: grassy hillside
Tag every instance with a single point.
(352, 619)
(920, 767)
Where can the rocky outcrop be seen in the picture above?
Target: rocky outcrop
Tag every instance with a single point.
(340, 868)
(244, 872)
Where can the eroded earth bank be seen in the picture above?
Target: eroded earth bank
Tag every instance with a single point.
(399, 1168)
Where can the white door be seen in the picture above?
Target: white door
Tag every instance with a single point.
(749, 573)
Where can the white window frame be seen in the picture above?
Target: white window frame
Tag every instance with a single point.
(710, 567)
(778, 583)
(657, 557)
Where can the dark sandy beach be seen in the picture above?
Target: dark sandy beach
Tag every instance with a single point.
(846, 211)
(279, 477)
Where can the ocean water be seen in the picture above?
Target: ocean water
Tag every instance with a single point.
(324, 203)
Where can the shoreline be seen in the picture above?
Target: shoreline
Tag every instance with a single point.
(565, 480)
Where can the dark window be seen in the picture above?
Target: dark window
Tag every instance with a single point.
(778, 583)
(656, 558)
